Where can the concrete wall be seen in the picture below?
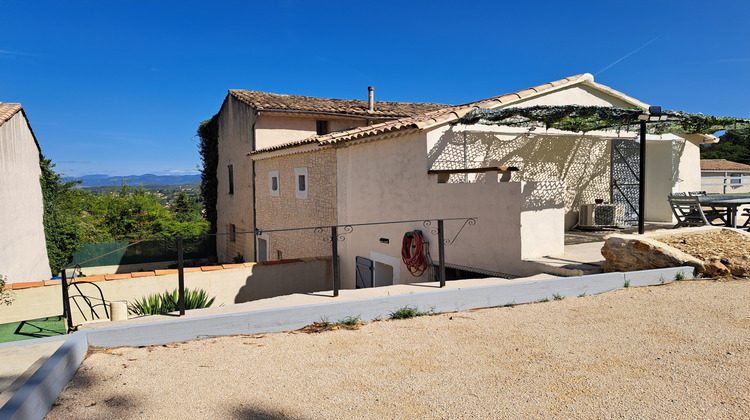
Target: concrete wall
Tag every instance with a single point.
(235, 140)
(23, 251)
(387, 180)
(287, 211)
(229, 286)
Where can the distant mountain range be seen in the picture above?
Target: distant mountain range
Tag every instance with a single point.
(134, 180)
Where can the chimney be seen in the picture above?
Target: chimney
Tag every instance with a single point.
(371, 99)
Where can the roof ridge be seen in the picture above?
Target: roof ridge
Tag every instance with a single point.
(8, 110)
(429, 118)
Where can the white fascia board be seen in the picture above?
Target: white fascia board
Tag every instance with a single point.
(285, 152)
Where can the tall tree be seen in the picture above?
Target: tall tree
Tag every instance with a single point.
(733, 145)
(208, 133)
(62, 216)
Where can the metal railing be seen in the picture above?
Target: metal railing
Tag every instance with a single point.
(332, 234)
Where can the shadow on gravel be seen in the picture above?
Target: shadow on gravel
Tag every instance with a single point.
(247, 412)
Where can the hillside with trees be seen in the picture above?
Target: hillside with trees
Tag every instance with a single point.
(75, 216)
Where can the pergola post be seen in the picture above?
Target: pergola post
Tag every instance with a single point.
(642, 180)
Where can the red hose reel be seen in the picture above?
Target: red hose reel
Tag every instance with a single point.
(414, 252)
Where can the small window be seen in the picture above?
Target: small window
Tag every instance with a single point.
(273, 183)
(301, 183)
(231, 179)
(321, 127)
(232, 233)
(736, 179)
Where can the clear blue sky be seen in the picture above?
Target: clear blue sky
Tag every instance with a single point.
(119, 87)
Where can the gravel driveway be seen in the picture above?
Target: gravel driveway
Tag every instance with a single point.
(675, 351)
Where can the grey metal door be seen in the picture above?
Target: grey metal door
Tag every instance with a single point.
(625, 175)
(365, 268)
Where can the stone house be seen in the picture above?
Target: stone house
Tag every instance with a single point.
(427, 166)
(721, 176)
(250, 120)
(23, 250)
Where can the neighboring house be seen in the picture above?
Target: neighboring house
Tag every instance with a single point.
(721, 176)
(23, 250)
(397, 170)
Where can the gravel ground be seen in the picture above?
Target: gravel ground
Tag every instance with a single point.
(720, 243)
(680, 350)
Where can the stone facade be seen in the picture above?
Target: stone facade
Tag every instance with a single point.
(286, 211)
(235, 208)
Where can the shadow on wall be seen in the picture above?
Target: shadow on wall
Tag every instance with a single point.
(582, 163)
(285, 278)
(678, 147)
(543, 195)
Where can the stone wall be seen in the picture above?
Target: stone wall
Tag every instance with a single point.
(235, 140)
(286, 211)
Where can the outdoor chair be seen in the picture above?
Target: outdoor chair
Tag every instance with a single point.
(746, 213)
(689, 212)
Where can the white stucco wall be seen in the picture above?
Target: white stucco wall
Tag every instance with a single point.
(579, 94)
(672, 165)
(23, 252)
(387, 180)
(582, 162)
(273, 129)
(235, 140)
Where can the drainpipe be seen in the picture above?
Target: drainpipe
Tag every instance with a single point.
(371, 99)
(252, 174)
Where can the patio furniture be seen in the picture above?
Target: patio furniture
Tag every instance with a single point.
(747, 220)
(730, 204)
(689, 212)
(697, 193)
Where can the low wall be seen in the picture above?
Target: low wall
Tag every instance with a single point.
(229, 283)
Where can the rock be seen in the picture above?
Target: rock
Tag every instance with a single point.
(638, 252)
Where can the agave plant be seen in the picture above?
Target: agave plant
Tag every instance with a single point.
(157, 304)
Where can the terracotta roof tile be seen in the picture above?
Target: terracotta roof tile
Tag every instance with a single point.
(446, 113)
(277, 102)
(722, 165)
(7, 111)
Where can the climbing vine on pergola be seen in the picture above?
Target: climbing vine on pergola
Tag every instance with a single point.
(577, 118)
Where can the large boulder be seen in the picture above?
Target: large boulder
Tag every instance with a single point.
(644, 252)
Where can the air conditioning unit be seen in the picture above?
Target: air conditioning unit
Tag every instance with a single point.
(601, 215)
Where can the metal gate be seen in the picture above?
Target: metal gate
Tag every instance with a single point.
(365, 271)
(625, 164)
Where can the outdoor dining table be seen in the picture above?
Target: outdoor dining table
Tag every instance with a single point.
(730, 202)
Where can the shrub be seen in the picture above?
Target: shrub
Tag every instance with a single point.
(408, 312)
(167, 302)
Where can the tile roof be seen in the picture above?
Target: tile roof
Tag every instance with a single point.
(7, 111)
(444, 114)
(295, 103)
(722, 165)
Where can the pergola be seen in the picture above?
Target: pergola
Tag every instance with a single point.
(582, 119)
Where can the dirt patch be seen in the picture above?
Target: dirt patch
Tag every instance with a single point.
(724, 246)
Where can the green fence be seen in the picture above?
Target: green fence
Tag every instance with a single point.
(146, 251)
